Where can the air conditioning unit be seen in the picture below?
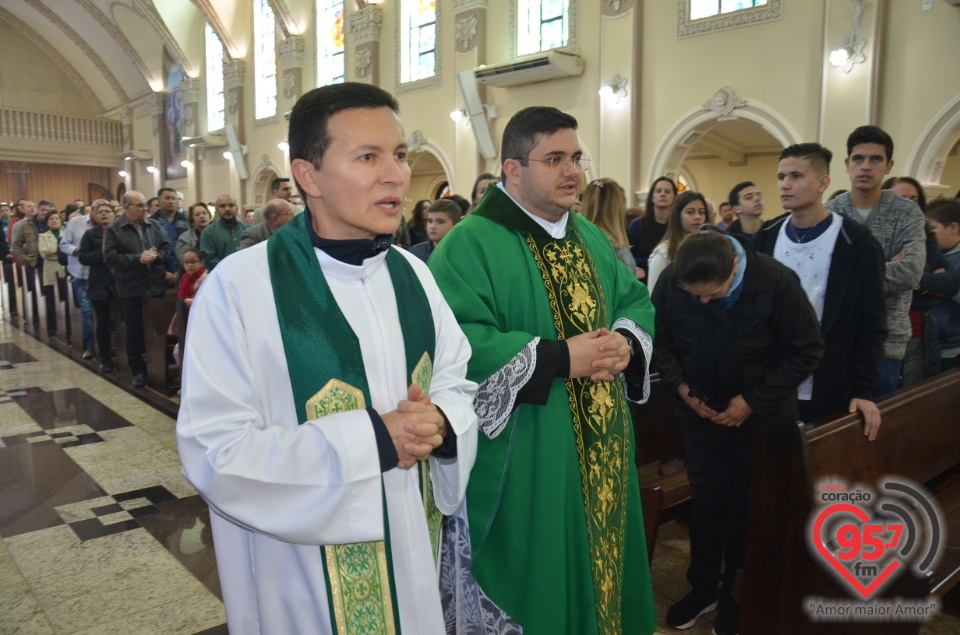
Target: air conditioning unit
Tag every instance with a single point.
(528, 70)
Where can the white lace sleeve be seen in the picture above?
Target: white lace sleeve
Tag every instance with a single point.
(498, 393)
(646, 343)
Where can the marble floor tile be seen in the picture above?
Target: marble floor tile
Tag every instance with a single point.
(187, 616)
(68, 408)
(80, 597)
(21, 613)
(37, 478)
(13, 354)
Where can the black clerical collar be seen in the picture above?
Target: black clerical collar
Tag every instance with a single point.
(352, 252)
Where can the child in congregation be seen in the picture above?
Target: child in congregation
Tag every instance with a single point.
(441, 217)
(943, 217)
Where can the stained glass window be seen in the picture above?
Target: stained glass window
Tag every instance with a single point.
(541, 25)
(710, 8)
(265, 59)
(330, 63)
(418, 40)
(215, 104)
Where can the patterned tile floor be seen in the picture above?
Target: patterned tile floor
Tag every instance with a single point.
(99, 532)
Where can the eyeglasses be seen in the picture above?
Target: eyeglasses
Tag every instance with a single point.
(581, 162)
(191, 262)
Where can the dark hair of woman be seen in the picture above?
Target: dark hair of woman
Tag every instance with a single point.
(704, 258)
(648, 208)
(914, 183)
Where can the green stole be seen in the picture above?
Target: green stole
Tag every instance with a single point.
(327, 376)
(600, 413)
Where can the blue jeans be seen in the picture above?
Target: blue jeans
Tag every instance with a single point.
(86, 311)
(889, 376)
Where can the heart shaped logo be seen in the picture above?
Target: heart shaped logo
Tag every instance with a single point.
(854, 537)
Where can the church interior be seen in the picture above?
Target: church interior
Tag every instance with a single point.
(99, 530)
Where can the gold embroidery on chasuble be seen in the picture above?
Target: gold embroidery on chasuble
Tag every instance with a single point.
(599, 414)
(358, 573)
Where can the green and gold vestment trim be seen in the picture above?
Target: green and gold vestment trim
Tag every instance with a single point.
(599, 413)
(327, 376)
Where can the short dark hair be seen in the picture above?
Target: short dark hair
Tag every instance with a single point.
(525, 127)
(461, 201)
(275, 184)
(161, 191)
(309, 135)
(944, 211)
(47, 203)
(921, 196)
(722, 204)
(817, 155)
(734, 197)
(449, 207)
(649, 206)
(704, 258)
(870, 134)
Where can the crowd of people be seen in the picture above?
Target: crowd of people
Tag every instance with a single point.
(460, 404)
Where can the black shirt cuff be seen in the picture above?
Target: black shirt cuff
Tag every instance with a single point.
(447, 449)
(389, 458)
(636, 370)
(553, 360)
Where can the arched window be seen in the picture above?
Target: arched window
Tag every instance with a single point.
(215, 104)
(418, 40)
(542, 25)
(264, 59)
(330, 63)
(709, 8)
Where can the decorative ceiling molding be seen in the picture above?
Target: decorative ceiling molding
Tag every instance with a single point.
(218, 27)
(81, 43)
(150, 14)
(121, 39)
(57, 58)
(287, 24)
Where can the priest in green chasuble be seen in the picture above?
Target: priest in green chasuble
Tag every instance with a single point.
(550, 538)
(326, 417)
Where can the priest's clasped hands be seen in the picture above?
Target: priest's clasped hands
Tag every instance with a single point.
(417, 427)
(600, 355)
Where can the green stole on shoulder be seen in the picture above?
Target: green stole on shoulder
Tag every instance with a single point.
(599, 410)
(327, 376)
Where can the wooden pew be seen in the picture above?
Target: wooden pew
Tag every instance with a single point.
(658, 437)
(162, 373)
(919, 439)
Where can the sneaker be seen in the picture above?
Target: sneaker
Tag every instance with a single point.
(139, 380)
(687, 611)
(728, 618)
(106, 367)
(88, 353)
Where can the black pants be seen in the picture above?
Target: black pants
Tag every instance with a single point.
(132, 309)
(718, 465)
(51, 294)
(104, 327)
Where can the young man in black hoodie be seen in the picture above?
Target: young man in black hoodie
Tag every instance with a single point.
(840, 265)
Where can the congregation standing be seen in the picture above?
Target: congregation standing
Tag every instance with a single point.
(343, 401)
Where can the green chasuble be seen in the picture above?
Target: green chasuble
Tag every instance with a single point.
(553, 502)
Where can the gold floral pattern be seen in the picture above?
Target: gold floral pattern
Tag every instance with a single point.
(600, 418)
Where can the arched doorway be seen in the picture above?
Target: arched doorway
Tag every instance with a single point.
(934, 160)
(427, 178)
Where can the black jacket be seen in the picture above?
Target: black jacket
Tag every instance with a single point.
(854, 322)
(780, 341)
(121, 252)
(100, 285)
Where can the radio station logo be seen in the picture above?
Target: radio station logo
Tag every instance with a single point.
(867, 540)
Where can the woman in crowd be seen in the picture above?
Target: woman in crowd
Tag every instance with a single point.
(646, 232)
(480, 186)
(735, 336)
(100, 285)
(199, 217)
(689, 214)
(605, 205)
(418, 222)
(54, 272)
(922, 358)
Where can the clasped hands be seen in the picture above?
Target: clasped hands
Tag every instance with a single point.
(148, 256)
(600, 355)
(738, 410)
(417, 427)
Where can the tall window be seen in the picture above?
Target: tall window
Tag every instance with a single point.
(709, 8)
(215, 106)
(265, 59)
(418, 40)
(329, 42)
(541, 25)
